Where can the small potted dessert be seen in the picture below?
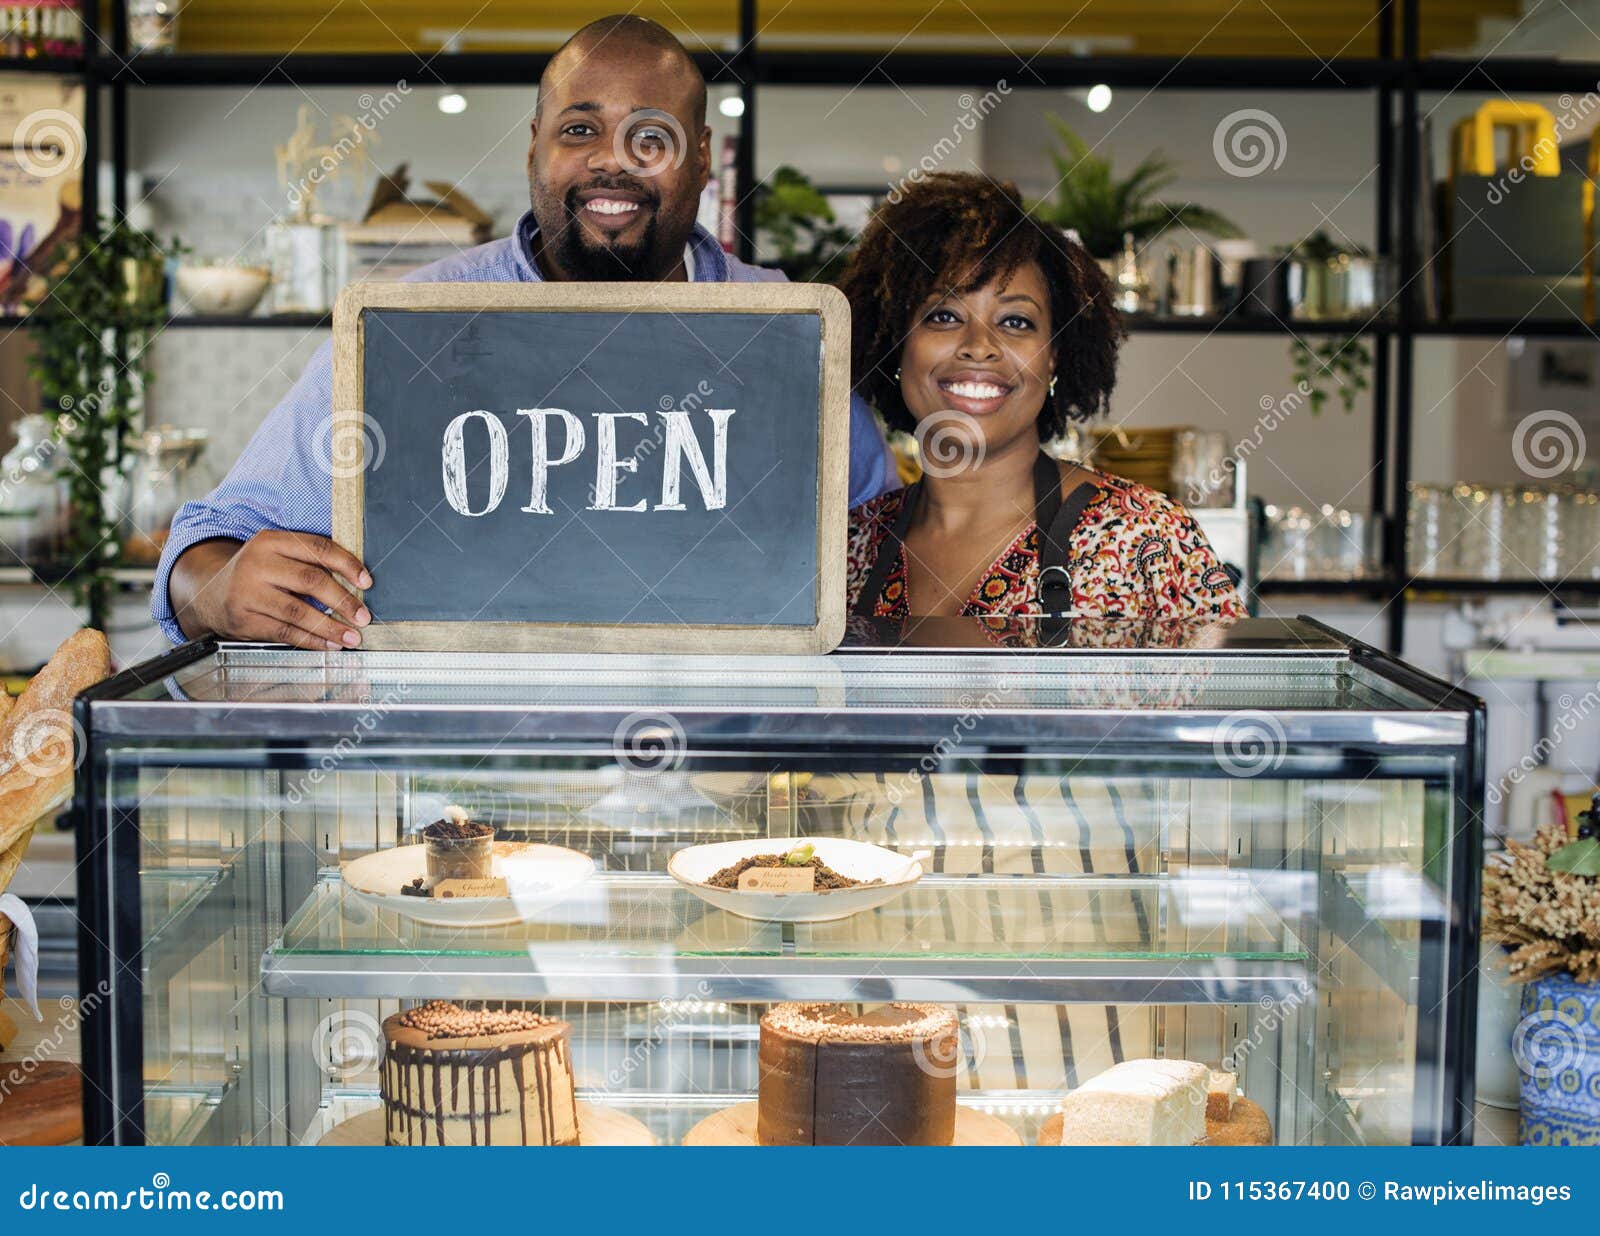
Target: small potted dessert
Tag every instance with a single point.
(458, 848)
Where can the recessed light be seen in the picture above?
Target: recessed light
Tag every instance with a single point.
(1099, 98)
(452, 104)
(732, 106)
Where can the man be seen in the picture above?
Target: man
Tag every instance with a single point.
(619, 156)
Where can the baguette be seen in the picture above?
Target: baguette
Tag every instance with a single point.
(11, 859)
(36, 735)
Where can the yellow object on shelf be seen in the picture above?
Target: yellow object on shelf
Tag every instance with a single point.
(1533, 139)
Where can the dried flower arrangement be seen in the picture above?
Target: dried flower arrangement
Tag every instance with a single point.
(1544, 911)
(306, 163)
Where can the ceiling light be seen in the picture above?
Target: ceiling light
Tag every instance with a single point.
(452, 104)
(732, 106)
(1099, 98)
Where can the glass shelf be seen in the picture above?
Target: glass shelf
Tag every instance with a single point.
(670, 1116)
(1201, 938)
(168, 897)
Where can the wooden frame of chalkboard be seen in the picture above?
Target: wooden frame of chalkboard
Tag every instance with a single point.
(823, 634)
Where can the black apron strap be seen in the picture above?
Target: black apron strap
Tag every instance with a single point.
(1057, 517)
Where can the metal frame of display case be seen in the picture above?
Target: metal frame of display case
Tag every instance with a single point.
(1437, 723)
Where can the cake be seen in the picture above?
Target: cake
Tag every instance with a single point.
(833, 1077)
(1139, 1103)
(1220, 1096)
(454, 1076)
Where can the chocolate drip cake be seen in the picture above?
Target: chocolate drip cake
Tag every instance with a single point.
(831, 1077)
(477, 1077)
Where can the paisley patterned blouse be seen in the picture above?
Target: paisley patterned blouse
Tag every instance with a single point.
(1135, 553)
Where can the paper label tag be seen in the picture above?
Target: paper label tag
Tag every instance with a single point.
(493, 887)
(778, 880)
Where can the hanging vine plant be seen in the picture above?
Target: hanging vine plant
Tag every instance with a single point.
(103, 304)
(1339, 364)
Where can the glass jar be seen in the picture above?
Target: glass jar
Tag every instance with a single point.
(153, 25)
(1580, 547)
(32, 502)
(1487, 517)
(1432, 523)
(159, 482)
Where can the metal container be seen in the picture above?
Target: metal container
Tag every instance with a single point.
(1338, 287)
(1192, 280)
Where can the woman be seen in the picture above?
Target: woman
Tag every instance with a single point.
(985, 333)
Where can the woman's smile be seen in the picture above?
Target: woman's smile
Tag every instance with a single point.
(976, 392)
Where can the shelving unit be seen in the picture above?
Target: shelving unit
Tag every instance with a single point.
(1394, 79)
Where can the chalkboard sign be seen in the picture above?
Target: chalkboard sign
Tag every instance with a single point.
(595, 466)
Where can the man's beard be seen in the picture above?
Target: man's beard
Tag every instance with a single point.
(581, 258)
(599, 263)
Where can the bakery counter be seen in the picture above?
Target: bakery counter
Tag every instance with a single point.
(1064, 866)
(1201, 937)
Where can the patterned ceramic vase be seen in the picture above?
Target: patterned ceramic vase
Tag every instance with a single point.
(1557, 1047)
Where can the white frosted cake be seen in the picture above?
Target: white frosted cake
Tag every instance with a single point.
(1139, 1103)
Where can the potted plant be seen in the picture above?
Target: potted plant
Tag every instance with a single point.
(1542, 903)
(795, 218)
(103, 304)
(1101, 209)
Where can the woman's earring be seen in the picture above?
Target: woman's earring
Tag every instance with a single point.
(1052, 386)
(897, 373)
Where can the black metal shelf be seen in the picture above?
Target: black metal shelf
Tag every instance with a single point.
(1508, 75)
(1504, 327)
(43, 64)
(1468, 587)
(1239, 324)
(254, 321)
(1195, 72)
(1375, 588)
(387, 69)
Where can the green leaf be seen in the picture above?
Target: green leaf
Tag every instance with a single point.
(1577, 858)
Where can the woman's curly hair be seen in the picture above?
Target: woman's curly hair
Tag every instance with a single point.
(952, 232)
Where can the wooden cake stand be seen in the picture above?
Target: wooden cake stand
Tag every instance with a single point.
(1248, 1126)
(597, 1126)
(736, 1126)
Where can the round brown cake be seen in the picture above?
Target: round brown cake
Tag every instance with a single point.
(833, 1077)
(454, 1076)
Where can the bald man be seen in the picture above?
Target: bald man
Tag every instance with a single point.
(620, 152)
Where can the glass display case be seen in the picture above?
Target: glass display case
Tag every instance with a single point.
(1255, 847)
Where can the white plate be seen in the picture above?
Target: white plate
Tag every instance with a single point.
(536, 876)
(857, 859)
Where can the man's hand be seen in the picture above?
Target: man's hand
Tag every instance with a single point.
(256, 591)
